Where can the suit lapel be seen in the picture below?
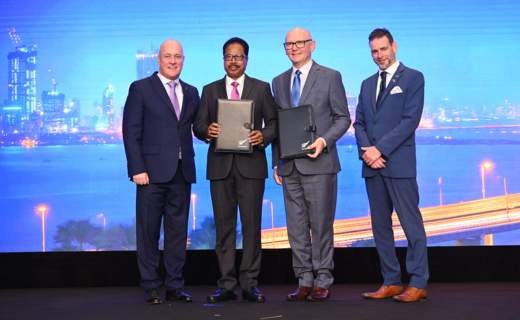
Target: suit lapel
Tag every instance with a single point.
(285, 90)
(309, 83)
(373, 90)
(248, 84)
(221, 89)
(158, 86)
(185, 99)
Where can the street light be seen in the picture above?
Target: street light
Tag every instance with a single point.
(484, 166)
(271, 207)
(193, 211)
(42, 210)
(103, 219)
(506, 195)
(439, 183)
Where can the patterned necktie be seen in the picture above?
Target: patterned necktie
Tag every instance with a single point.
(382, 86)
(173, 98)
(234, 92)
(295, 90)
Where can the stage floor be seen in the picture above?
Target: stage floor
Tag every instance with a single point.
(495, 301)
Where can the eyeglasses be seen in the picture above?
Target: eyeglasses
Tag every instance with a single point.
(298, 44)
(230, 57)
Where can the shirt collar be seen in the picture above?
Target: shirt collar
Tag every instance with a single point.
(240, 80)
(165, 81)
(305, 69)
(392, 69)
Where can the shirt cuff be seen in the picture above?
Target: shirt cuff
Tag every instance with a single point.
(322, 139)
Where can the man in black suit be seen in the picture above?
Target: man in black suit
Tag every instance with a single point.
(157, 133)
(237, 180)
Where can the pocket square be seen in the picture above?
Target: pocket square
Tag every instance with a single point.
(396, 90)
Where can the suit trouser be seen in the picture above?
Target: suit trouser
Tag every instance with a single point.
(227, 195)
(170, 203)
(310, 206)
(385, 194)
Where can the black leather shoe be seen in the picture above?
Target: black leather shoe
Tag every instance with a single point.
(253, 295)
(152, 297)
(178, 295)
(221, 295)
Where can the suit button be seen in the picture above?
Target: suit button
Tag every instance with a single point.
(373, 140)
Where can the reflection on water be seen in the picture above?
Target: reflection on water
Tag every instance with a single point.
(88, 182)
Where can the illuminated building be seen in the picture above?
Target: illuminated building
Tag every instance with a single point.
(107, 107)
(21, 88)
(146, 63)
(53, 104)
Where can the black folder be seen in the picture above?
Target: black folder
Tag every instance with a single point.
(296, 131)
(236, 120)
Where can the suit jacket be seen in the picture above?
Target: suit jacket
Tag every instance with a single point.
(250, 165)
(391, 129)
(324, 91)
(152, 134)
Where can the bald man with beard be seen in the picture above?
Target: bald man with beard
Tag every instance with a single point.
(157, 134)
(310, 183)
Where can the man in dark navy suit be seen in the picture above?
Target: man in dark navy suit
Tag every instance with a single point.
(237, 180)
(157, 133)
(388, 113)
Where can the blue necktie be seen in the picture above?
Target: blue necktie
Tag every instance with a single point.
(295, 91)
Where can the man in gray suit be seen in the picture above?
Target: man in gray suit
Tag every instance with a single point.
(310, 183)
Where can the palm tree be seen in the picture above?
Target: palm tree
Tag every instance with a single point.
(204, 236)
(76, 235)
(118, 237)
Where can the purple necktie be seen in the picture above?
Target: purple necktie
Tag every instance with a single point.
(173, 98)
(175, 103)
(234, 91)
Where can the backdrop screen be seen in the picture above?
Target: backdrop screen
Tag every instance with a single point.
(65, 69)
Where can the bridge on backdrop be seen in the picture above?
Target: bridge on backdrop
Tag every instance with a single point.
(468, 222)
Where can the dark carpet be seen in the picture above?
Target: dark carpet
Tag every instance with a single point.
(490, 301)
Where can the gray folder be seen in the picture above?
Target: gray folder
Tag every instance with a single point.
(236, 120)
(296, 131)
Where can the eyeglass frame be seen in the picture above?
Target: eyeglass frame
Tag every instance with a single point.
(234, 57)
(290, 45)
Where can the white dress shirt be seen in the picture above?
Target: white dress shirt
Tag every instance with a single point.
(178, 89)
(305, 69)
(390, 71)
(240, 86)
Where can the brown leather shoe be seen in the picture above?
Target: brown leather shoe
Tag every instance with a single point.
(384, 292)
(319, 294)
(300, 294)
(411, 294)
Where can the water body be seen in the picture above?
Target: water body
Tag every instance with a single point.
(82, 181)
